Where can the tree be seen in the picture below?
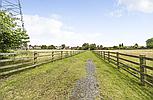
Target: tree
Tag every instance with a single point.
(11, 34)
(77, 48)
(98, 47)
(80, 48)
(85, 46)
(43, 47)
(101, 47)
(136, 46)
(149, 43)
(63, 46)
(121, 46)
(51, 47)
(115, 47)
(92, 46)
(25, 40)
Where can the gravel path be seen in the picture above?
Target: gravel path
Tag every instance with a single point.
(86, 88)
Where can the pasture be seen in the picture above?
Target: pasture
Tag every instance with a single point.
(147, 52)
(56, 80)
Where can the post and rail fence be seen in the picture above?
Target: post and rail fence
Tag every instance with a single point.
(140, 66)
(15, 62)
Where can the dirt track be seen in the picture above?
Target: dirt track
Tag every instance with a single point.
(87, 88)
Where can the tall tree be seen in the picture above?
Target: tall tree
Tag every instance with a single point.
(85, 46)
(63, 46)
(93, 46)
(11, 34)
(136, 45)
(101, 47)
(149, 43)
(98, 47)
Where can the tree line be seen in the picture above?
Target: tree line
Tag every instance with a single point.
(93, 46)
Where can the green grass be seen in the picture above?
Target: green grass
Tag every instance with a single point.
(56, 81)
(137, 67)
(119, 85)
(50, 81)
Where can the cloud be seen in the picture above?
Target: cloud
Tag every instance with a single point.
(41, 25)
(117, 13)
(145, 6)
(51, 30)
(44, 30)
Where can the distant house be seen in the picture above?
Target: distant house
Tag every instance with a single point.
(37, 47)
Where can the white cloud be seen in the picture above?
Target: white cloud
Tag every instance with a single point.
(117, 13)
(145, 6)
(44, 30)
(51, 30)
(40, 25)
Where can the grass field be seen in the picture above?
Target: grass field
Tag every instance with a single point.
(119, 85)
(147, 52)
(50, 81)
(55, 81)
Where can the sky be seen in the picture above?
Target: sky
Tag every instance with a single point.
(74, 22)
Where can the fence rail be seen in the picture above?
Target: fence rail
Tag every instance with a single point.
(15, 62)
(137, 66)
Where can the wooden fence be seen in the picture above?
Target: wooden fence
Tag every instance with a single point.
(15, 62)
(140, 66)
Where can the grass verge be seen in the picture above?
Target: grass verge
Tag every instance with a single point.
(119, 85)
(48, 82)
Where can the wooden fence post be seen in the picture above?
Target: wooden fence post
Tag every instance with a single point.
(104, 55)
(35, 57)
(142, 69)
(108, 56)
(64, 54)
(70, 53)
(61, 54)
(13, 57)
(52, 55)
(117, 56)
(67, 53)
(100, 54)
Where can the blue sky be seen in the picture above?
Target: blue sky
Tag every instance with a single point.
(73, 22)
